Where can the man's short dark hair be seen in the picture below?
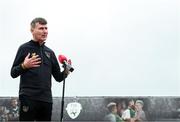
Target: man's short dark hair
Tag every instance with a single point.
(39, 20)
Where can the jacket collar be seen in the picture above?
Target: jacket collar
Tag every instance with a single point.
(37, 43)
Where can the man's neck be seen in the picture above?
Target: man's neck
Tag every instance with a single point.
(40, 42)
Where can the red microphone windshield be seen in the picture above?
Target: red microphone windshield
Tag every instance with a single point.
(62, 58)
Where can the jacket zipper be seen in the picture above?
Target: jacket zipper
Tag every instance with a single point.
(41, 53)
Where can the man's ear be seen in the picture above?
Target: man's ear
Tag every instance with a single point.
(32, 29)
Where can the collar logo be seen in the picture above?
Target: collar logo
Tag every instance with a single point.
(73, 109)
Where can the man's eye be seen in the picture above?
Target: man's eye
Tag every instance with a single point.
(43, 28)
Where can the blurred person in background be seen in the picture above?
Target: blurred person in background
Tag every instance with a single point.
(13, 114)
(3, 114)
(140, 114)
(129, 114)
(113, 116)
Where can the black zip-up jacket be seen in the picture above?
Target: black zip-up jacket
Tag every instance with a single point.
(36, 82)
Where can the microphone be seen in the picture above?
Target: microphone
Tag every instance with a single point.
(66, 63)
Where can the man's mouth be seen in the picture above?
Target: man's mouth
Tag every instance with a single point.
(44, 36)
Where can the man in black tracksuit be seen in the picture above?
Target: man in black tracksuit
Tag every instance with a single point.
(35, 63)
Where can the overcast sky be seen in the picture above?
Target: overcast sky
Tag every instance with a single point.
(117, 47)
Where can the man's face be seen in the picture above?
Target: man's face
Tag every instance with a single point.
(114, 109)
(39, 32)
(14, 103)
(138, 106)
(131, 103)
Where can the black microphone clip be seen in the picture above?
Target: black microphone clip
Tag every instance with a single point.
(68, 66)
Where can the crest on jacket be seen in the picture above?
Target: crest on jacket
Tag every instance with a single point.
(73, 109)
(47, 54)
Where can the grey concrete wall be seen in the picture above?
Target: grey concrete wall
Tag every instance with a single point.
(94, 108)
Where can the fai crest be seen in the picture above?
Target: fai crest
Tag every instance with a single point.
(25, 108)
(48, 54)
(73, 109)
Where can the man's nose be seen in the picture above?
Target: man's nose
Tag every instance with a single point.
(45, 31)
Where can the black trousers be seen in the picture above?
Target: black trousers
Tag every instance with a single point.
(32, 110)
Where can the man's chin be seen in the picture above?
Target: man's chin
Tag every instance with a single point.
(41, 41)
(44, 39)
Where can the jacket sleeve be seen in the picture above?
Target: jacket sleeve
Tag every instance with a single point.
(17, 69)
(56, 71)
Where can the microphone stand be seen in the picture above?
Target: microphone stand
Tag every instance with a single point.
(62, 100)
